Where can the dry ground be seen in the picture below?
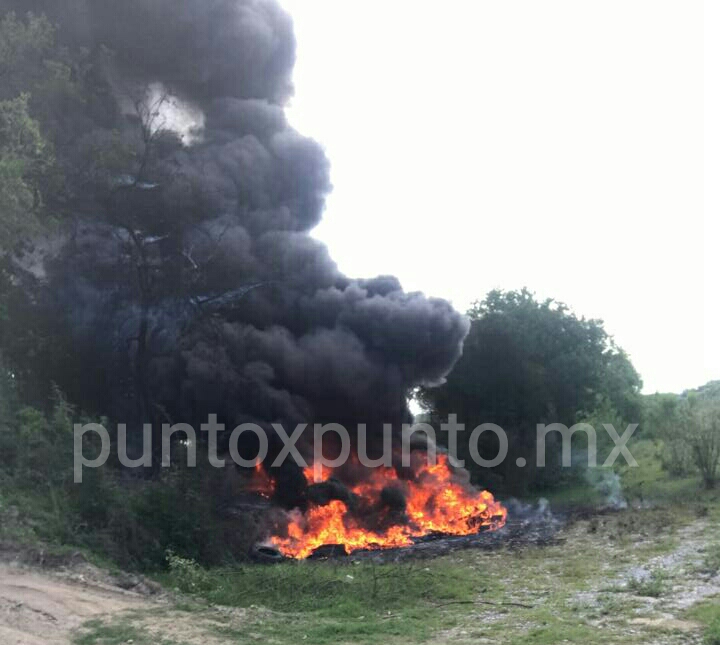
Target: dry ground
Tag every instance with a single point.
(39, 608)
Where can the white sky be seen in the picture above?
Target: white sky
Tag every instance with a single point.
(554, 144)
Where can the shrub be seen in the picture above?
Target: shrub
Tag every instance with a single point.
(187, 574)
(711, 562)
(115, 512)
(704, 438)
(677, 456)
(652, 586)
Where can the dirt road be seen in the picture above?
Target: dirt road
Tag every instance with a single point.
(39, 608)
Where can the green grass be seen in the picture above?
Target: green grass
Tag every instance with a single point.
(708, 614)
(95, 632)
(711, 560)
(545, 595)
(523, 596)
(327, 603)
(650, 482)
(580, 494)
(653, 586)
(312, 586)
(333, 602)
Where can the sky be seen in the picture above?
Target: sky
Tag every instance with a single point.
(560, 145)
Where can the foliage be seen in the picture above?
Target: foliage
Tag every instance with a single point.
(664, 419)
(689, 426)
(712, 633)
(704, 439)
(24, 158)
(711, 561)
(527, 362)
(313, 586)
(75, 149)
(708, 613)
(652, 586)
(23, 46)
(188, 575)
(129, 520)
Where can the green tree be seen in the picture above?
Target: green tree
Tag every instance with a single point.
(24, 158)
(24, 46)
(704, 439)
(666, 419)
(527, 362)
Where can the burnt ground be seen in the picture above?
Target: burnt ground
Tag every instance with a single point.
(526, 526)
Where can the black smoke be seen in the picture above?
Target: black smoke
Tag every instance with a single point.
(246, 315)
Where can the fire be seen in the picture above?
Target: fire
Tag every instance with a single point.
(434, 503)
(260, 482)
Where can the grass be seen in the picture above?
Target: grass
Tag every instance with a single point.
(570, 592)
(708, 614)
(650, 482)
(95, 632)
(580, 494)
(559, 587)
(711, 561)
(653, 586)
(313, 586)
(331, 602)
(532, 595)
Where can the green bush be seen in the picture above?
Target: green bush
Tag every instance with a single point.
(711, 561)
(127, 518)
(653, 586)
(677, 456)
(187, 574)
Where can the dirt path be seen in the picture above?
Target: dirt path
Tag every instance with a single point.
(40, 608)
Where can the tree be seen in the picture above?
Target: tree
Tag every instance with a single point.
(24, 44)
(41, 95)
(666, 419)
(688, 425)
(24, 159)
(704, 439)
(40, 101)
(527, 362)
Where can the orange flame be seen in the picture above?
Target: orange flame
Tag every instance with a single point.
(435, 503)
(260, 482)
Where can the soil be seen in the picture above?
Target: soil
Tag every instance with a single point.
(38, 607)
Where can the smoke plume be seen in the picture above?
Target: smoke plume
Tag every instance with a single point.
(200, 249)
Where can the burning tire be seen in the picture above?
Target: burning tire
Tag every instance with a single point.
(266, 554)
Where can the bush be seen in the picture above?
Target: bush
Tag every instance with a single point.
(677, 456)
(653, 586)
(114, 512)
(704, 438)
(187, 574)
(711, 561)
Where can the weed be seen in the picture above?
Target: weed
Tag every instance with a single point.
(652, 586)
(711, 561)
